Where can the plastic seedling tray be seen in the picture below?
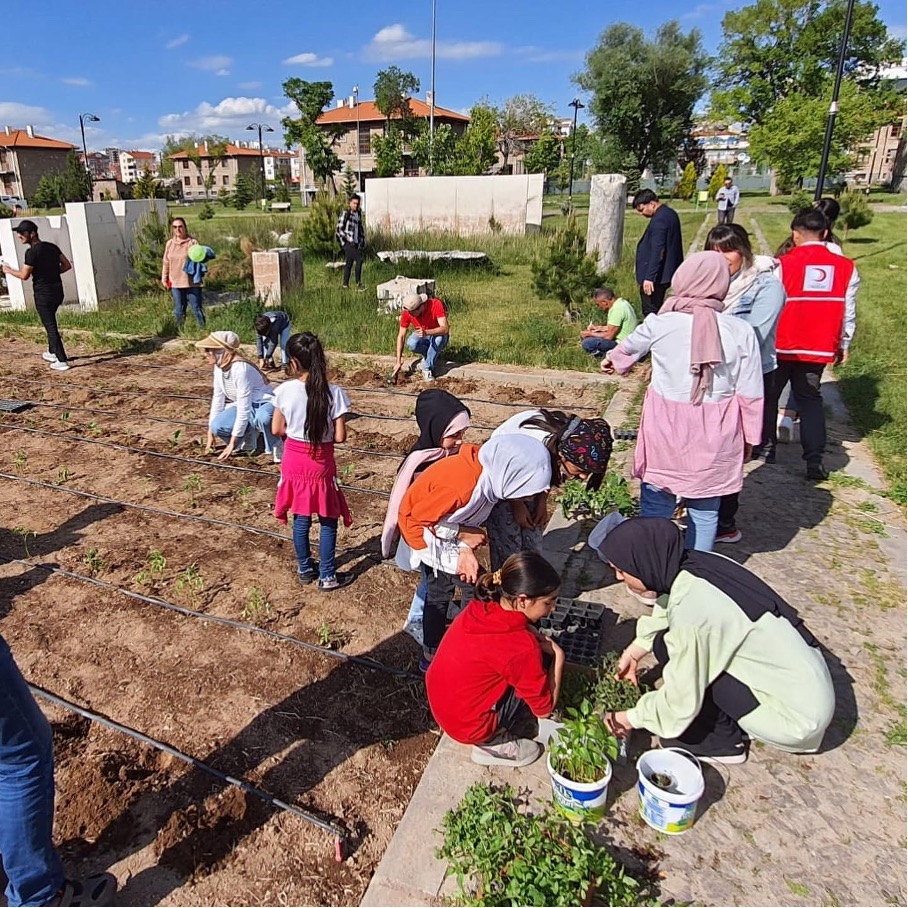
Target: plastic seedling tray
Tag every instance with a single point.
(576, 627)
(13, 406)
(624, 434)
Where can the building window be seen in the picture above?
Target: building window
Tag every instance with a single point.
(187, 181)
(365, 140)
(226, 179)
(896, 130)
(411, 168)
(185, 165)
(198, 181)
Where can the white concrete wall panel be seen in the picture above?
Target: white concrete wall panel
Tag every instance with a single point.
(54, 229)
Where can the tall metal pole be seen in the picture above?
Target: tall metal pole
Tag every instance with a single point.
(834, 106)
(260, 127)
(90, 118)
(576, 104)
(432, 102)
(359, 146)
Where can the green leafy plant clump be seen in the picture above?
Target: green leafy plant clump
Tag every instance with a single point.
(613, 495)
(584, 746)
(503, 855)
(599, 688)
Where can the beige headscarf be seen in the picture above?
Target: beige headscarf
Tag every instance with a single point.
(226, 347)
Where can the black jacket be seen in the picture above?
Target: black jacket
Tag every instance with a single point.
(659, 251)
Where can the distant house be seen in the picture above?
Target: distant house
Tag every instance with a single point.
(363, 120)
(25, 157)
(134, 163)
(723, 144)
(237, 159)
(278, 165)
(98, 165)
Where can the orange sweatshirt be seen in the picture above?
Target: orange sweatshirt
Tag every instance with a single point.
(176, 254)
(440, 490)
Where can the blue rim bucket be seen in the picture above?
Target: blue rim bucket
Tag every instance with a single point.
(671, 809)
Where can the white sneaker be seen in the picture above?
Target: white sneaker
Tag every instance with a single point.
(60, 367)
(48, 357)
(785, 430)
(414, 629)
(427, 375)
(277, 452)
(516, 752)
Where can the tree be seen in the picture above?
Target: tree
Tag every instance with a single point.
(687, 185)
(565, 271)
(545, 155)
(206, 158)
(518, 118)
(791, 137)
(311, 98)
(146, 186)
(631, 170)
(145, 257)
(772, 49)
(281, 192)
(691, 152)
(717, 180)
(350, 186)
(389, 153)
(174, 145)
(442, 155)
(49, 192)
(317, 235)
(644, 90)
(244, 191)
(855, 212)
(76, 183)
(477, 146)
(393, 89)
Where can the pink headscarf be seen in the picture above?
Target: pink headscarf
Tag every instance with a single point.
(700, 285)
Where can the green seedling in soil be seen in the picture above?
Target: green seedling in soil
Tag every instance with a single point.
(501, 854)
(613, 495)
(257, 606)
(243, 493)
(174, 439)
(157, 562)
(347, 471)
(190, 581)
(62, 476)
(64, 418)
(143, 578)
(93, 562)
(600, 688)
(20, 461)
(24, 533)
(798, 889)
(192, 485)
(330, 638)
(584, 746)
(94, 428)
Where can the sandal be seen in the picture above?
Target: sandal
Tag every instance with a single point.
(96, 890)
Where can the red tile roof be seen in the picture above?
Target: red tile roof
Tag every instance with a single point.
(369, 112)
(232, 151)
(19, 138)
(141, 155)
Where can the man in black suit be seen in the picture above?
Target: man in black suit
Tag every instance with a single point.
(659, 251)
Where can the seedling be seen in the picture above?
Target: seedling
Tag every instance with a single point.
(257, 606)
(190, 581)
(330, 638)
(93, 562)
(613, 495)
(347, 471)
(584, 745)
(662, 780)
(143, 578)
(62, 476)
(324, 634)
(156, 561)
(64, 418)
(174, 439)
(192, 485)
(20, 461)
(243, 493)
(94, 428)
(24, 533)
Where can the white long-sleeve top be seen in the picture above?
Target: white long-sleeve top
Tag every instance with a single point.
(240, 385)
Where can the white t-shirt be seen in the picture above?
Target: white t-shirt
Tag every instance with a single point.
(291, 399)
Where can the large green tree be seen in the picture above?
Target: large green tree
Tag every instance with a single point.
(477, 146)
(311, 98)
(545, 154)
(644, 90)
(389, 153)
(772, 49)
(519, 118)
(393, 89)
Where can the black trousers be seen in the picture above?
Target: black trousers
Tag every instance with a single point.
(46, 305)
(652, 302)
(440, 591)
(353, 254)
(727, 216)
(515, 719)
(805, 381)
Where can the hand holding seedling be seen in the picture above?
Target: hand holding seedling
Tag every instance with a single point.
(627, 664)
(618, 724)
(209, 442)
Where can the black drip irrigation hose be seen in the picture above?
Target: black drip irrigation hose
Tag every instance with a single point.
(67, 407)
(69, 384)
(201, 463)
(333, 827)
(214, 619)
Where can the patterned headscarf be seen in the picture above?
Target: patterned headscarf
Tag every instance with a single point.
(587, 444)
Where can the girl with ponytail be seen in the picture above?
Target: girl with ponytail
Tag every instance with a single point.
(494, 676)
(311, 413)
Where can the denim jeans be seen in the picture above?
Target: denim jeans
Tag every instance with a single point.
(702, 514)
(597, 346)
(266, 350)
(182, 296)
(418, 605)
(327, 545)
(30, 861)
(259, 421)
(428, 347)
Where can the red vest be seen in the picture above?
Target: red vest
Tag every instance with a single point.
(810, 327)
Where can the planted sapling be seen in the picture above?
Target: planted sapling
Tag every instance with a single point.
(62, 476)
(613, 495)
(257, 606)
(93, 562)
(584, 746)
(20, 461)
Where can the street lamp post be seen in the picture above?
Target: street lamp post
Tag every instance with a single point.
(834, 105)
(576, 104)
(359, 143)
(432, 102)
(83, 119)
(261, 127)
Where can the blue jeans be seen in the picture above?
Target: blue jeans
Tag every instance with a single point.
(327, 545)
(182, 296)
(702, 514)
(30, 861)
(428, 347)
(418, 605)
(259, 421)
(597, 346)
(266, 351)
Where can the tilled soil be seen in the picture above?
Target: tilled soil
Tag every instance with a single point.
(342, 740)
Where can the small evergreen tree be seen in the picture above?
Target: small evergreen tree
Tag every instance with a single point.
(207, 212)
(146, 186)
(687, 185)
(565, 271)
(717, 181)
(49, 192)
(855, 212)
(350, 183)
(281, 192)
(317, 235)
(799, 200)
(244, 192)
(76, 183)
(225, 197)
(145, 258)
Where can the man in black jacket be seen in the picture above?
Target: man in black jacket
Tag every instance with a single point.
(659, 252)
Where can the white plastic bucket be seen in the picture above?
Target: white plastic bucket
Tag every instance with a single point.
(671, 810)
(580, 800)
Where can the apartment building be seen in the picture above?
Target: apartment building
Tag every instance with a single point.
(278, 165)
(25, 157)
(237, 159)
(134, 163)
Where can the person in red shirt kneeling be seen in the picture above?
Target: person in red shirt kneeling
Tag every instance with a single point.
(429, 320)
(494, 674)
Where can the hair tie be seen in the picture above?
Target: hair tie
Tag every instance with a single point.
(496, 578)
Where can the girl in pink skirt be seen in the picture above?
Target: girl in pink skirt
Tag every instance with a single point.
(310, 412)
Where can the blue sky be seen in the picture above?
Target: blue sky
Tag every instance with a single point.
(218, 66)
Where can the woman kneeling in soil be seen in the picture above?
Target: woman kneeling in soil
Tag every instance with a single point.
(488, 684)
(242, 402)
(442, 514)
(736, 658)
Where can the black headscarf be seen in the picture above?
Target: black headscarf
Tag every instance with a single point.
(434, 411)
(652, 550)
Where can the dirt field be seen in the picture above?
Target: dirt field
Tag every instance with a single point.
(344, 741)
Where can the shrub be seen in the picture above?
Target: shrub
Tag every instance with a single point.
(5, 212)
(317, 235)
(687, 186)
(717, 180)
(145, 258)
(855, 212)
(799, 200)
(565, 271)
(207, 212)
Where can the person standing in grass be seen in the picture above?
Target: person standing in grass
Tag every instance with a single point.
(311, 413)
(272, 331)
(620, 321)
(352, 238)
(174, 277)
(44, 265)
(429, 320)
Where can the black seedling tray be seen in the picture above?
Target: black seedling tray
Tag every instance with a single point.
(14, 406)
(576, 626)
(624, 434)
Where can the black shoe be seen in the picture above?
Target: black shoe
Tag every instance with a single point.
(767, 455)
(816, 472)
(729, 753)
(338, 581)
(310, 576)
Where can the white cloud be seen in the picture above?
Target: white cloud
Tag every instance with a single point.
(77, 81)
(230, 114)
(533, 54)
(223, 72)
(394, 42)
(700, 10)
(217, 64)
(249, 86)
(18, 115)
(179, 41)
(309, 59)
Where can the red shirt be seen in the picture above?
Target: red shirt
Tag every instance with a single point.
(432, 311)
(486, 650)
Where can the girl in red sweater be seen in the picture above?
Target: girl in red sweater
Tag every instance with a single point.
(494, 674)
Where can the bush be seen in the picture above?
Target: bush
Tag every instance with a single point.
(799, 200)
(5, 212)
(716, 181)
(318, 233)
(687, 186)
(207, 212)
(855, 212)
(232, 269)
(145, 259)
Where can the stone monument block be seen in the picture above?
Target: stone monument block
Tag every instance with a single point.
(605, 233)
(277, 272)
